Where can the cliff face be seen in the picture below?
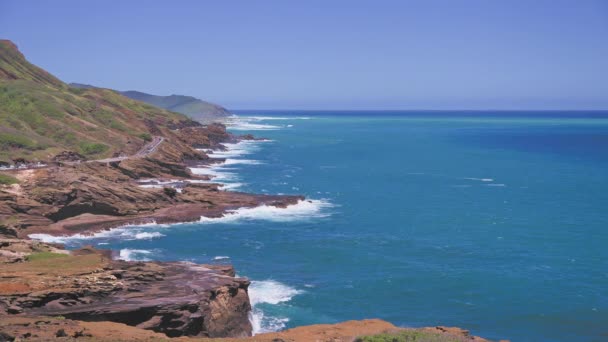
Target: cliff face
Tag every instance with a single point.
(176, 299)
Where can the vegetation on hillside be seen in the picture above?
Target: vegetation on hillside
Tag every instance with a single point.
(41, 116)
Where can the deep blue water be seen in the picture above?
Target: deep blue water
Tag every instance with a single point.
(496, 222)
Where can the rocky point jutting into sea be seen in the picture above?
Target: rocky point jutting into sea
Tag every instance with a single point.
(73, 162)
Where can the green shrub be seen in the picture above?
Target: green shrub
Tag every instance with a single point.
(146, 136)
(45, 256)
(92, 148)
(8, 180)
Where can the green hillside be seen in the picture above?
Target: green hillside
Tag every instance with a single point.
(41, 116)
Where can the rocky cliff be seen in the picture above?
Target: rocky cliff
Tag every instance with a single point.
(173, 298)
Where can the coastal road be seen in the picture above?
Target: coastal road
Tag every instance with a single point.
(146, 150)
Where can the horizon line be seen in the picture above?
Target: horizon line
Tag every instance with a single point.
(421, 110)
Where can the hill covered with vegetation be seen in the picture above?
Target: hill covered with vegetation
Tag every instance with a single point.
(41, 116)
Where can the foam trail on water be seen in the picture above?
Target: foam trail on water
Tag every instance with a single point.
(480, 179)
(304, 209)
(269, 292)
(264, 118)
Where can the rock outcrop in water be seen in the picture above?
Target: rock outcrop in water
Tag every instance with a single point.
(173, 298)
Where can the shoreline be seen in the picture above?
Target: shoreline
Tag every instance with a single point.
(89, 224)
(160, 187)
(231, 201)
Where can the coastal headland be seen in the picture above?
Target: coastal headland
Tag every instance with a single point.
(75, 161)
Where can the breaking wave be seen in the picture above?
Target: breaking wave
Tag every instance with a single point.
(303, 210)
(129, 254)
(268, 292)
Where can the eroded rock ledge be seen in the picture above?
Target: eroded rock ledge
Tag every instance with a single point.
(173, 298)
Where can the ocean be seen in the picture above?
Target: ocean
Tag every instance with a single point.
(496, 222)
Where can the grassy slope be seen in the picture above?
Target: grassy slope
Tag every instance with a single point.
(41, 116)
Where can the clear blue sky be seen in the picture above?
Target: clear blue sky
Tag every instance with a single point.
(532, 54)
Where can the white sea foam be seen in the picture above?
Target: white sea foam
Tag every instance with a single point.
(129, 254)
(221, 173)
(254, 123)
(127, 232)
(221, 257)
(303, 210)
(268, 292)
(231, 161)
(237, 149)
(148, 235)
(480, 179)
(231, 186)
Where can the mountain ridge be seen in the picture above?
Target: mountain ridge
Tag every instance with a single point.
(195, 108)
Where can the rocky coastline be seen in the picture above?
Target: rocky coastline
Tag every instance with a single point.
(84, 198)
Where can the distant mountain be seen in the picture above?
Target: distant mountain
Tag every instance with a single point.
(196, 109)
(41, 116)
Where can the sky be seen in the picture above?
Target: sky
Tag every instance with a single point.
(319, 54)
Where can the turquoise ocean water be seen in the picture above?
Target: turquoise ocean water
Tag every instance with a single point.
(496, 222)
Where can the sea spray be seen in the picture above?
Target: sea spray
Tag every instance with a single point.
(268, 292)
